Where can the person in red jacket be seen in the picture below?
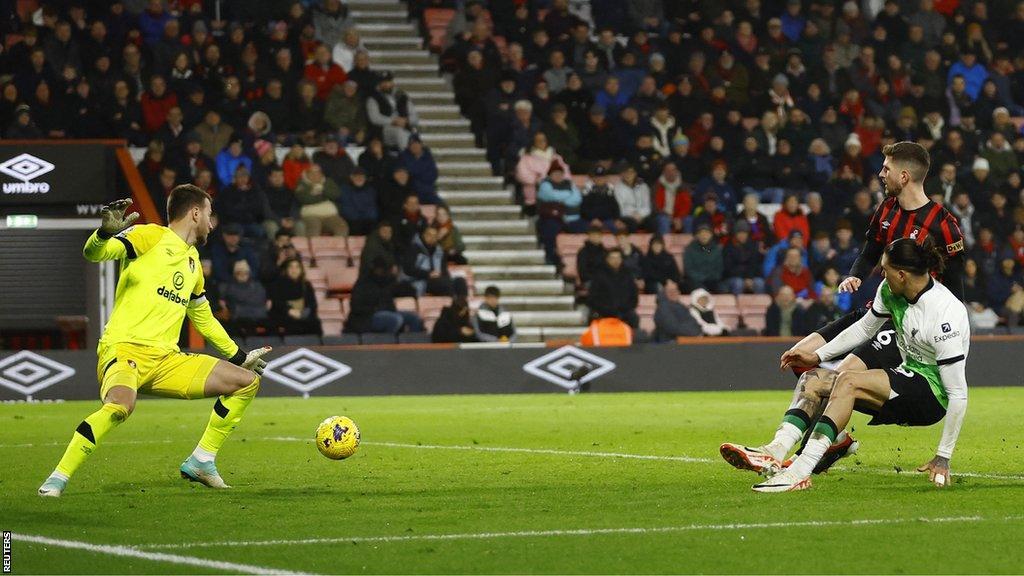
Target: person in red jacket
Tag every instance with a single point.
(156, 103)
(323, 72)
(794, 274)
(673, 202)
(791, 217)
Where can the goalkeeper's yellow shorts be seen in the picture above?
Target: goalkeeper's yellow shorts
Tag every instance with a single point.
(153, 371)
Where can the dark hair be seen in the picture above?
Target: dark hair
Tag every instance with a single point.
(907, 254)
(493, 291)
(911, 153)
(184, 198)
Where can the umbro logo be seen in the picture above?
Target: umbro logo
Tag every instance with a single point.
(27, 372)
(25, 168)
(569, 367)
(304, 370)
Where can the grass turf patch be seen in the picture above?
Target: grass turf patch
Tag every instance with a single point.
(587, 514)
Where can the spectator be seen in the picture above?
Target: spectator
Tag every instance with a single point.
(324, 73)
(227, 250)
(344, 52)
(986, 252)
(455, 324)
(563, 136)
(998, 217)
(590, 259)
(829, 282)
(599, 207)
(191, 159)
(1006, 292)
(793, 273)
(702, 261)
(718, 183)
(246, 300)
(295, 164)
(425, 266)
(1002, 160)
(658, 267)
(741, 260)
(391, 111)
(156, 104)
(791, 217)
(377, 161)
(345, 112)
(373, 303)
(244, 204)
(702, 309)
(334, 160)
(757, 223)
(976, 298)
(392, 192)
(535, 164)
(632, 258)
(422, 169)
(331, 21)
(23, 127)
(613, 292)
(672, 319)
(357, 204)
(711, 215)
(380, 244)
(821, 312)
(409, 224)
(755, 172)
(213, 134)
(472, 81)
(318, 195)
(634, 198)
(275, 254)
(293, 303)
(672, 202)
(448, 236)
(558, 208)
(307, 114)
(229, 159)
(493, 323)
(784, 316)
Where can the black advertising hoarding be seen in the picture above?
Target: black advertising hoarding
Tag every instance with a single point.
(58, 174)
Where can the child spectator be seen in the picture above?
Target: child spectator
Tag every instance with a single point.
(293, 303)
(658, 267)
(492, 322)
(448, 236)
(702, 308)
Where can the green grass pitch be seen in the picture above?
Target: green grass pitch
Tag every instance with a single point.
(411, 502)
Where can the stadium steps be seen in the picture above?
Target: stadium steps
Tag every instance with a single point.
(501, 244)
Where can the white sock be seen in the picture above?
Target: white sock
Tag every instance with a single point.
(815, 449)
(59, 476)
(786, 436)
(203, 455)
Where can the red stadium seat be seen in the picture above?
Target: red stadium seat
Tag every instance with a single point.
(754, 300)
(341, 279)
(406, 304)
(331, 327)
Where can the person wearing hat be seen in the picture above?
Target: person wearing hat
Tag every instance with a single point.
(558, 207)
(392, 111)
(979, 182)
(535, 165)
(419, 162)
(345, 112)
(23, 127)
(230, 158)
(703, 265)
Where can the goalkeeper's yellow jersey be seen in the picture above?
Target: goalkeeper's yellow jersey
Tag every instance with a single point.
(161, 281)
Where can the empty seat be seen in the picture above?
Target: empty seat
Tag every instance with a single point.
(341, 279)
(754, 300)
(755, 321)
(302, 340)
(406, 304)
(328, 246)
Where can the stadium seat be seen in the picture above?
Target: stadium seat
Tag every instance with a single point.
(755, 321)
(724, 300)
(341, 279)
(754, 300)
(318, 278)
(413, 338)
(328, 246)
(647, 324)
(302, 340)
(406, 304)
(337, 339)
(373, 338)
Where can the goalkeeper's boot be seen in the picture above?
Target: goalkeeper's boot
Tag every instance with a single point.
(203, 472)
(53, 487)
(845, 445)
(785, 481)
(746, 458)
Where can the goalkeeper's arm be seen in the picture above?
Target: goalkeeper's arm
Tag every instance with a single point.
(114, 221)
(202, 318)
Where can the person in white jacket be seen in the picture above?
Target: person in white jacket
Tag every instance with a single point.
(702, 308)
(933, 333)
(634, 198)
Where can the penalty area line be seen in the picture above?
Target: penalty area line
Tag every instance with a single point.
(131, 552)
(573, 532)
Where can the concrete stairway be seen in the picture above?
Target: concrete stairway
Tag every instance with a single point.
(501, 245)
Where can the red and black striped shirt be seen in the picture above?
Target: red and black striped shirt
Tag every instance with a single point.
(891, 222)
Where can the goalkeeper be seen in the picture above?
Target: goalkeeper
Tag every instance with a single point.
(161, 282)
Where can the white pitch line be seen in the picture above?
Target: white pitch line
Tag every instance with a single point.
(571, 532)
(230, 567)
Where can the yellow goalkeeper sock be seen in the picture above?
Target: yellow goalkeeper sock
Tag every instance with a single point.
(88, 435)
(227, 413)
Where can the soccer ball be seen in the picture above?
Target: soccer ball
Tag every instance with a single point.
(337, 437)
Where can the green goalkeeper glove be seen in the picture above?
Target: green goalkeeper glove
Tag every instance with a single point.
(113, 218)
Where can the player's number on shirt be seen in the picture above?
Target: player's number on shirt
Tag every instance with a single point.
(884, 338)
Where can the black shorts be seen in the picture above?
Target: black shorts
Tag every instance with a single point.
(879, 352)
(914, 403)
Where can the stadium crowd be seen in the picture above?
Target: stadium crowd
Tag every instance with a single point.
(688, 117)
(754, 126)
